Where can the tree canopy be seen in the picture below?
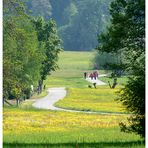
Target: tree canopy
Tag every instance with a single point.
(27, 50)
(79, 21)
(126, 34)
(50, 43)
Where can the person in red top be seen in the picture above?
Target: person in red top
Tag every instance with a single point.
(91, 76)
(94, 75)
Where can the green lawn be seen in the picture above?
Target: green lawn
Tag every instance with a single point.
(71, 60)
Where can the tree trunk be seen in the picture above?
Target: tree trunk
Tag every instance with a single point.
(40, 86)
(17, 102)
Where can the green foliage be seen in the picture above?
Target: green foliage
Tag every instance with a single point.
(48, 38)
(133, 98)
(58, 8)
(22, 59)
(31, 49)
(126, 35)
(85, 22)
(79, 22)
(107, 61)
(38, 8)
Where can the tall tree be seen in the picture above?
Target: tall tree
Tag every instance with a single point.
(127, 35)
(21, 58)
(50, 42)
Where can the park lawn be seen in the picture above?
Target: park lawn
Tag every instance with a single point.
(75, 60)
(68, 82)
(74, 64)
(42, 128)
(101, 99)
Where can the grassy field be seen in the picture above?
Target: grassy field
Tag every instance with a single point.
(35, 128)
(101, 99)
(120, 80)
(40, 128)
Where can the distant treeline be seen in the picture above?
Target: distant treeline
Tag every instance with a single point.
(79, 21)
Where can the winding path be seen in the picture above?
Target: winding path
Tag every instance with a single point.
(47, 102)
(54, 95)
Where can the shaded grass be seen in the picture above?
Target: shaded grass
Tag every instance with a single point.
(82, 138)
(37, 96)
(131, 144)
(121, 80)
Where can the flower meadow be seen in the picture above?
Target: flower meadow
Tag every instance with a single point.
(17, 121)
(101, 99)
(42, 128)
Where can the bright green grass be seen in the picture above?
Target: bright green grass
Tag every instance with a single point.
(75, 60)
(68, 82)
(74, 64)
(40, 128)
(84, 138)
(101, 99)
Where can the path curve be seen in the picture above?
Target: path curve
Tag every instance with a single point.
(56, 94)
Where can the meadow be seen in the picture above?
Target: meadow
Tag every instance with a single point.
(41, 128)
(101, 99)
(35, 128)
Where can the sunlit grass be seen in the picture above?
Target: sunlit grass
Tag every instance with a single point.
(75, 60)
(68, 82)
(101, 99)
(55, 121)
(54, 127)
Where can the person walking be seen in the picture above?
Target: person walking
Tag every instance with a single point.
(91, 76)
(94, 75)
(85, 75)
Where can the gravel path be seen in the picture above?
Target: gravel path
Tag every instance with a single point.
(98, 82)
(54, 95)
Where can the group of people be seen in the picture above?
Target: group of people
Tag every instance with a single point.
(94, 75)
